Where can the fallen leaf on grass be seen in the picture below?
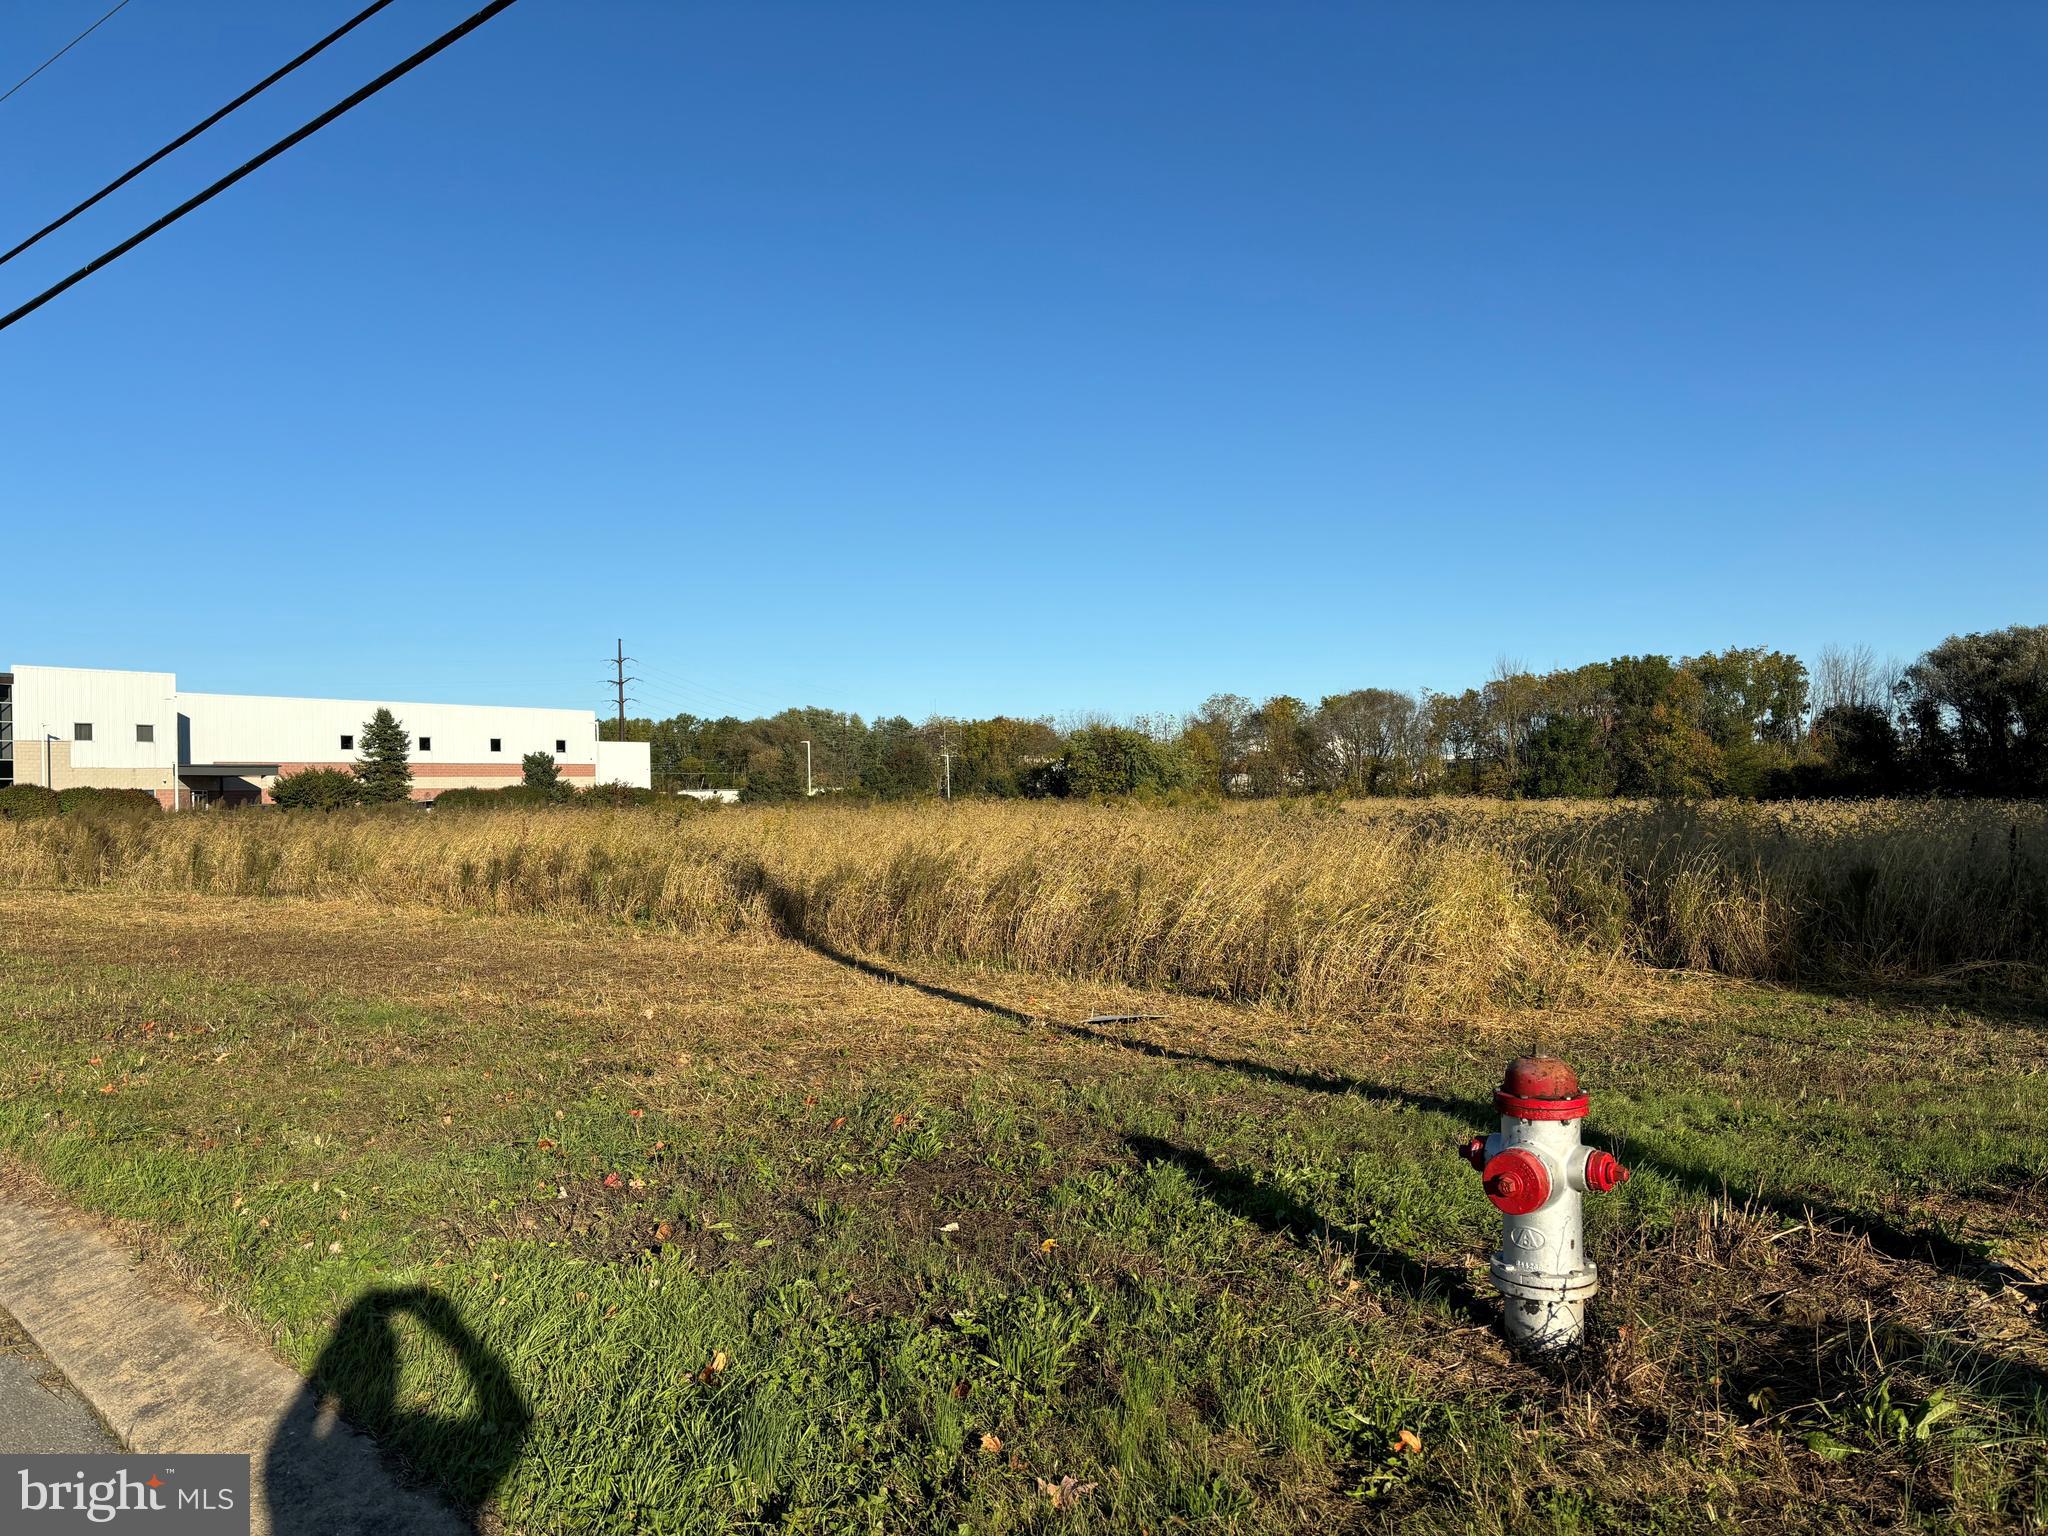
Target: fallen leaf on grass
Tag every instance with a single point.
(837, 1123)
(1827, 1447)
(717, 1364)
(990, 1444)
(1067, 1493)
(106, 1087)
(1048, 1245)
(612, 1181)
(1408, 1443)
(545, 1144)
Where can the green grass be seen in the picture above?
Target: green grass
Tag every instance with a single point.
(1214, 1265)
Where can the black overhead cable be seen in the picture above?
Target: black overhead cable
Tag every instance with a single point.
(356, 98)
(199, 127)
(53, 58)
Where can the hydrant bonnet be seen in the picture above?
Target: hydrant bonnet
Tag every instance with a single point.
(1540, 1088)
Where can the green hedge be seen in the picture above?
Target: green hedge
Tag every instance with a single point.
(104, 801)
(317, 789)
(26, 802)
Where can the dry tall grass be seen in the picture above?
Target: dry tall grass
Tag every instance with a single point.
(1373, 908)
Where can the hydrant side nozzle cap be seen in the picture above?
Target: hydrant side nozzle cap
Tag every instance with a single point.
(1516, 1181)
(1603, 1172)
(1540, 1077)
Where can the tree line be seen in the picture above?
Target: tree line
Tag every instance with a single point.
(1970, 716)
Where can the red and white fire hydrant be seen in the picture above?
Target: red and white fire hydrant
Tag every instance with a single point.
(1536, 1171)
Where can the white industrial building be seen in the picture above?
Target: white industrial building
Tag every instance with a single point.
(64, 727)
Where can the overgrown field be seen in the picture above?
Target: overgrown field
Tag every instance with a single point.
(742, 1237)
(1337, 911)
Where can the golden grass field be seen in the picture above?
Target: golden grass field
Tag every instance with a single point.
(1341, 910)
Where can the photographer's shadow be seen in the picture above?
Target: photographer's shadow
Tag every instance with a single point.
(323, 1479)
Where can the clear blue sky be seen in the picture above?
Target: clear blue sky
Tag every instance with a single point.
(1035, 358)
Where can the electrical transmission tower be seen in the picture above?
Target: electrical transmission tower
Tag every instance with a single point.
(618, 681)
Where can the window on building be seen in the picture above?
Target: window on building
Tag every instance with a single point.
(426, 743)
(82, 731)
(348, 743)
(145, 733)
(497, 744)
(561, 747)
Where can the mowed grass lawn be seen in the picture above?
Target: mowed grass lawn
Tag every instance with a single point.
(764, 1241)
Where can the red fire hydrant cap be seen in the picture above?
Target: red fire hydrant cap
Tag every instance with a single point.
(1540, 1077)
(1540, 1088)
(1516, 1181)
(1603, 1172)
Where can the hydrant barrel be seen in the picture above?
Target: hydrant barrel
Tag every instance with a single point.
(1536, 1172)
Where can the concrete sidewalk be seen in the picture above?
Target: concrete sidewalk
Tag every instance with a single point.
(161, 1375)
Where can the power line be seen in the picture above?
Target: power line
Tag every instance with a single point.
(695, 697)
(53, 58)
(453, 35)
(800, 686)
(731, 696)
(199, 127)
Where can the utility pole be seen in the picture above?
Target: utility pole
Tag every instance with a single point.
(619, 681)
(946, 755)
(808, 791)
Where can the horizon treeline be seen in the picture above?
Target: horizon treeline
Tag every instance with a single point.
(1968, 717)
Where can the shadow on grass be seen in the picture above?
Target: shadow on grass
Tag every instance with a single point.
(1697, 1178)
(1280, 1213)
(465, 1457)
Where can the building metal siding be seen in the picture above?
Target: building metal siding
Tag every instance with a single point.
(251, 728)
(625, 762)
(51, 702)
